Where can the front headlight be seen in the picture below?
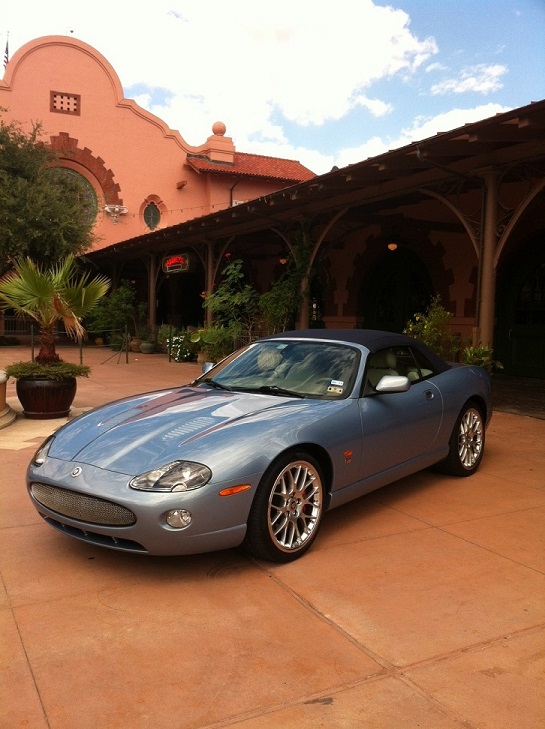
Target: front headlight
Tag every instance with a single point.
(175, 476)
(41, 454)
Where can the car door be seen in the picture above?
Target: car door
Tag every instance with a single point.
(398, 426)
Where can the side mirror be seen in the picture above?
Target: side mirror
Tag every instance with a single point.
(393, 383)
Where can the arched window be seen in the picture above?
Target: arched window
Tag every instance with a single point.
(83, 189)
(152, 215)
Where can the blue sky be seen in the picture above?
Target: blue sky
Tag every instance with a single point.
(327, 83)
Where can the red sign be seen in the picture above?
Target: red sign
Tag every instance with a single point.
(177, 263)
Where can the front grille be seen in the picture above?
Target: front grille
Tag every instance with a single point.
(80, 507)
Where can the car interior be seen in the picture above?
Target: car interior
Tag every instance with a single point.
(397, 361)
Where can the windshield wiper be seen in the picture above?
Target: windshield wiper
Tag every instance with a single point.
(217, 385)
(275, 390)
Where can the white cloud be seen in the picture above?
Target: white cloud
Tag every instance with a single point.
(422, 128)
(480, 79)
(247, 63)
(261, 67)
(436, 66)
(376, 107)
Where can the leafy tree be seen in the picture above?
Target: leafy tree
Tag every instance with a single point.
(280, 305)
(234, 303)
(44, 213)
(50, 295)
(118, 310)
(433, 328)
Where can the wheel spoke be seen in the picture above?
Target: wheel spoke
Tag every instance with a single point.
(295, 506)
(470, 439)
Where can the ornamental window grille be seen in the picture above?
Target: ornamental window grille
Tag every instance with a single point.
(152, 216)
(61, 102)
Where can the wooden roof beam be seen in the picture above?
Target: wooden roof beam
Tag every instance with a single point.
(457, 149)
(507, 133)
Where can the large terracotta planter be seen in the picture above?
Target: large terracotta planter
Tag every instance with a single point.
(44, 399)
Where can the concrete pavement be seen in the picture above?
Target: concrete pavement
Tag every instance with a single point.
(420, 605)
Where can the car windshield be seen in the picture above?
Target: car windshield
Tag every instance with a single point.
(288, 368)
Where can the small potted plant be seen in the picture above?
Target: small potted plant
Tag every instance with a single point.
(46, 386)
(181, 348)
(481, 356)
(147, 345)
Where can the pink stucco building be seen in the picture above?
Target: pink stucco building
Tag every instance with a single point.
(142, 174)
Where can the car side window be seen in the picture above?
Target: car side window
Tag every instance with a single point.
(421, 369)
(405, 361)
(383, 362)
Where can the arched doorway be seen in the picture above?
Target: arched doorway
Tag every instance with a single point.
(520, 313)
(397, 286)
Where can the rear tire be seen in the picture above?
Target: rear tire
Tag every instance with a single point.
(287, 510)
(466, 443)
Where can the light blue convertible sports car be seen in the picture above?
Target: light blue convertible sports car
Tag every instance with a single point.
(258, 448)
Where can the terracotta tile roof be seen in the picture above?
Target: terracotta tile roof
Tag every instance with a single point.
(254, 165)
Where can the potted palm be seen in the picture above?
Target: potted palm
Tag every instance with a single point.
(46, 386)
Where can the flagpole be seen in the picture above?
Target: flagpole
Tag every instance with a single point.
(6, 52)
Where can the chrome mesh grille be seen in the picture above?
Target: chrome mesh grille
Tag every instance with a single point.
(81, 507)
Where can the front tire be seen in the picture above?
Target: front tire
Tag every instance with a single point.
(466, 443)
(287, 509)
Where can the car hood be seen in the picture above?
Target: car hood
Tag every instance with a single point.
(138, 433)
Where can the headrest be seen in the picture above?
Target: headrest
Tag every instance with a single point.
(384, 360)
(268, 359)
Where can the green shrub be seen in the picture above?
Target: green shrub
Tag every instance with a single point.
(481, 356)
(433, 329)
(215, 342)
(117, 310)
(234, 303)
(54, 371)
(181, 348)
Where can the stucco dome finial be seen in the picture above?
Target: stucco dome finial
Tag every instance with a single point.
(219, 129)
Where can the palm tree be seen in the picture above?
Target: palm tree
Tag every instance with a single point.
(49, 295)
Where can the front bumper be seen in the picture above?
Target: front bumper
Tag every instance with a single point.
(99, 507)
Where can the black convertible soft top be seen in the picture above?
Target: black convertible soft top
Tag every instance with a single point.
(373, 339)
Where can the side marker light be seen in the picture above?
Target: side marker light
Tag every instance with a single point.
(235, 489)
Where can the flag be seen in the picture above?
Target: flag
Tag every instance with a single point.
(6, 54)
